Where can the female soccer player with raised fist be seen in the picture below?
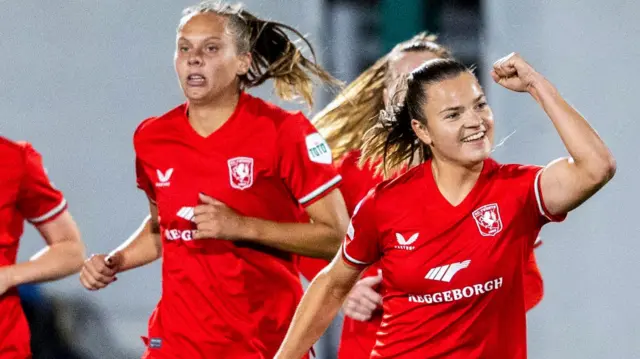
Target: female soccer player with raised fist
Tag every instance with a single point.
(453, 233)
(343, 123)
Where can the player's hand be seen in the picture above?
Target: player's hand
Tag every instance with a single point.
(513, 73)
(215, 219)
(100, 270)
(6, 281)
(363, 300)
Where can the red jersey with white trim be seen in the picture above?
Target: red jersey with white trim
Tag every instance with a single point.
(358, 338)
(356, 182)
(25, 194)
(453, 276)
(228, 299)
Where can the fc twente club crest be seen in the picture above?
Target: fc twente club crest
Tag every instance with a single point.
(488, 220)
(240, 172)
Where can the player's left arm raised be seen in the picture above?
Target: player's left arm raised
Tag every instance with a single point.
(566, 182)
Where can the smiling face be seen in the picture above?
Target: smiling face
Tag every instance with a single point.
(206, 60)
(459, 125)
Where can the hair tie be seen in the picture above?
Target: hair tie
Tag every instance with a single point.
(387, 118)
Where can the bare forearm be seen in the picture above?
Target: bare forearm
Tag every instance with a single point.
(320, 304)
(587, 149)
(307, 239)
(53, 262)
(143, 247)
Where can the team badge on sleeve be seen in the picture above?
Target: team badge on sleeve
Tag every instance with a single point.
(240, 172)
(488, 220)
(318, 149)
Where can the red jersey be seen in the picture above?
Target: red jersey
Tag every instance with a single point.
(356, 182)
(25, 193)
(453, 276)
(533, 284)
(358, 338)
(228, 299)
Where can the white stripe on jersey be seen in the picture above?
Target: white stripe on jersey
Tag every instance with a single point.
(56, 210)
(318, 191)
(536, 185)
(537, 242)
(351, 259)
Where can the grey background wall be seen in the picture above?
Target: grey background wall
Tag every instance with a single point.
(589, 50)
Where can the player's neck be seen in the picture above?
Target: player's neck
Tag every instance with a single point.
(206, 118)
(454, 181)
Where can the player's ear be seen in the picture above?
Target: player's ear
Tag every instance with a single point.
(245, 63)
(421, 131)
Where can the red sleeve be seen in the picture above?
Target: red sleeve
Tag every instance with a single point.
(142, 178)
(536, 199)
(143, 181)
(305, 161)
(38, 201)
(360, 247)
(533, 284)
